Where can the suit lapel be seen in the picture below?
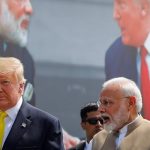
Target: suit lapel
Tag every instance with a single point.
(20, 126)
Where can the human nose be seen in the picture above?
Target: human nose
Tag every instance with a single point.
(28, 7)
(102, 109)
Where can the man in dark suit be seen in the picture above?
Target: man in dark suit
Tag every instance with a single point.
(13, 39)
(132, 61)
(91, 123)
(14, 50)
(25, 127)
(14, 22)
(120, 60)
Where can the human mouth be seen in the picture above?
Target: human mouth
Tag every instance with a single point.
(106, 119)
(24, 24)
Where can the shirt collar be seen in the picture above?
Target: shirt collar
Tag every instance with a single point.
(147, 43)
(12, 112)
(125, 128)
(88, 146)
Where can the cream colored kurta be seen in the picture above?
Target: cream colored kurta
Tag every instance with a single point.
(137, 138)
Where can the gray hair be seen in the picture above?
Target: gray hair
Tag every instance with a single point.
(128, 87)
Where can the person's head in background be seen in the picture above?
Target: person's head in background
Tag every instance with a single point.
(120, 103)
(91, 121)
(133, 17)
(14, 20)
(11, 82)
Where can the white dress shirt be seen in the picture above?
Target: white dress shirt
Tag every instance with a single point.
(88, 146)
(11, 116)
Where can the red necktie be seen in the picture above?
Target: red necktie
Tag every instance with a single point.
(145, 84)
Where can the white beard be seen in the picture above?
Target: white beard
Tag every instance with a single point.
(10, 28)
(119, 119)
(110, 127)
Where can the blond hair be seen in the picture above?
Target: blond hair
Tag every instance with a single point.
(12, 65)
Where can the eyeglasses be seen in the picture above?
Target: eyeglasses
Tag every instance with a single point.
(94, 121)
(108, 102)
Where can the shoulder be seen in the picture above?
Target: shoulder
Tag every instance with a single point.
(39, 115)
(99, 139)
(145, 123)
(102, 134)
(118, 47)
(140, 126)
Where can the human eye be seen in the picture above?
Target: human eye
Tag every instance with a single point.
(121, 4)
(107, 102)
(5, 82)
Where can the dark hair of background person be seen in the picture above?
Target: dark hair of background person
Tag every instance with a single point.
(88, 108)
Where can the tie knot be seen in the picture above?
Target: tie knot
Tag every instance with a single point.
(3, 114)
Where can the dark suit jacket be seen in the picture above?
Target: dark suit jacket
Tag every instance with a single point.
(79, 146)
(26, 59)
(34, 129)
(120, 60)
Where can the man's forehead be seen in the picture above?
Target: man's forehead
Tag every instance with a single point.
(111, 92)
(111, 88)
(8, 75)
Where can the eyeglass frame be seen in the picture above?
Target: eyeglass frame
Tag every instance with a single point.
(109, 103)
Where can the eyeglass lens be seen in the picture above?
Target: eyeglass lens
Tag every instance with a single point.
(94, 121)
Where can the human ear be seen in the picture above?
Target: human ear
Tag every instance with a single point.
(82, 125)
(132, 102)
(145, 7)
(21, 88)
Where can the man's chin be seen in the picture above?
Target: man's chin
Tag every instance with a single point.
(22, 43)
(126, 41)
(20, 40)
(109, 127)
